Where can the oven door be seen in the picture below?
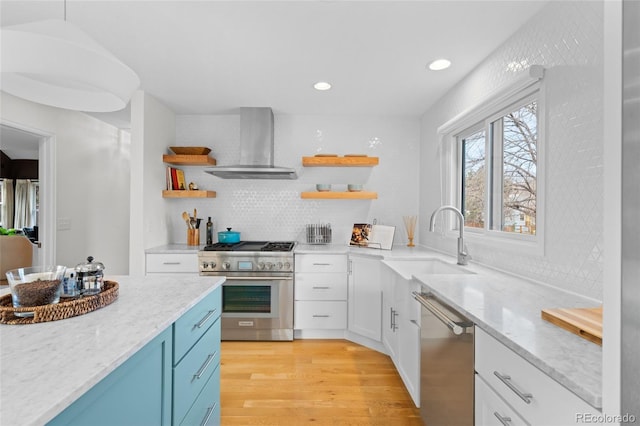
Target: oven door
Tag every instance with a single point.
(257, 308)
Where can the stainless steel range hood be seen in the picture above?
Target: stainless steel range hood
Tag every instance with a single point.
(256, 149)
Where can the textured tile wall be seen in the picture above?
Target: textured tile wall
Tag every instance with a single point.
(567, 39)
(273, 209)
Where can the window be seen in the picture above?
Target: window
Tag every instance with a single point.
(492, 165)
(474, 179)
(498, 164)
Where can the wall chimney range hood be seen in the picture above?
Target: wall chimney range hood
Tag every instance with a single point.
(256, 149)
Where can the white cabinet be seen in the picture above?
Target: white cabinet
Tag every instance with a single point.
(491, 410)
(401, 328)
(408, 336)
(533, 396)
(172, 263)
(320, 292)
(365, 296)
(389, 313)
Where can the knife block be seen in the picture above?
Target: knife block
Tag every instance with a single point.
(193, 237)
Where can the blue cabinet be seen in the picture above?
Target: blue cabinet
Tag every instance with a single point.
(133, 394)
(196, 357)
(173, 380)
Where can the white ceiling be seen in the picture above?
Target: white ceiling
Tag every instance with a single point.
(212, 57)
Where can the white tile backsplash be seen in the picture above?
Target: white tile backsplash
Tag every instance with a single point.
(273, 209)
(567, 39)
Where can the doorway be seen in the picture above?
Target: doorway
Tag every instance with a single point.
(24, 145)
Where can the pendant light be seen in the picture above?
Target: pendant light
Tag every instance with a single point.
(53, 62)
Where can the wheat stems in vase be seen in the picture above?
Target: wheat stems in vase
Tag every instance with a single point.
(410, 226)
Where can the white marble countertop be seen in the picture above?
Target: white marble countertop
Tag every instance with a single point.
(398, 252)
(300, 248)
(174, 248)
(47, 366)
(509, 308)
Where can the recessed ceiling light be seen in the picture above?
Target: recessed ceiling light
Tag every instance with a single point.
(439, 64)
(322, 85)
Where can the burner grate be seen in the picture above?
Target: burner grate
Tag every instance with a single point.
(281, 246)
(278, 246)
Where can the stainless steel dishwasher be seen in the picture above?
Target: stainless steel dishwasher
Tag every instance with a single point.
(446, 364)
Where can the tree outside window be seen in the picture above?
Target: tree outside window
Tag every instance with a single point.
(499, 172)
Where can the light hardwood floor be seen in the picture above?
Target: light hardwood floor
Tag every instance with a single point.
(319, 382)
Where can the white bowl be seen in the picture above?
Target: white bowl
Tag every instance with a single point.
(323, 187)
(354, 187)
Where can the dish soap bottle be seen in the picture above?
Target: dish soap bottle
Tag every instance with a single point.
(209, 232)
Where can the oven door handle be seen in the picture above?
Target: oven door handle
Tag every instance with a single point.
(259, 278)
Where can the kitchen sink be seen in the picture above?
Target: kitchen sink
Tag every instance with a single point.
(409, 268)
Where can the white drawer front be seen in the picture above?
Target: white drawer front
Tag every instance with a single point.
(550, 402)
(491, 410)
(320, 315)
(321, 262)
(320, 286)
(172, 262)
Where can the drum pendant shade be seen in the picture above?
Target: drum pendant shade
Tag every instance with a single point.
(55, 63)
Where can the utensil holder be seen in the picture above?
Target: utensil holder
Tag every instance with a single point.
(193, 237)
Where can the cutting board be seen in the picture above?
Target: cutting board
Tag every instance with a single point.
(585, 322)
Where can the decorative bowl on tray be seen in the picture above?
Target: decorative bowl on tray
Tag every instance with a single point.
(35, 286)
(354, 187)
(323, 187)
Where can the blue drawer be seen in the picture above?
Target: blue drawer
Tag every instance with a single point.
(194, 323)
(206, 410)
(195, 369)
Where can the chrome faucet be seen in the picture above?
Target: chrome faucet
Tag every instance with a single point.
(463, 256)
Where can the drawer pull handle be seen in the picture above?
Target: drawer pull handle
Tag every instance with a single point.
(204, 367)
(170, 263)
(207, 416)
(322, 316)
(321, 264)
(320, 288)
(204, 320)
(526, 397)
(502, 419)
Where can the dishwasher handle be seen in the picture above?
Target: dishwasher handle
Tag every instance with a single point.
(457, 328)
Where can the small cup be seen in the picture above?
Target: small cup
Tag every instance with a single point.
(323, 187)
(69, 286)
(354, 187)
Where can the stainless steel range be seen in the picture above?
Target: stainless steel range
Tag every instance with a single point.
(257, 297)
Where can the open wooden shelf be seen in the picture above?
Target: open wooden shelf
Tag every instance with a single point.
(339, 195)
(188, 194)
(340, 161)
(189, 160)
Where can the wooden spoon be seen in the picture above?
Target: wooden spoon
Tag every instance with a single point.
(187, 219)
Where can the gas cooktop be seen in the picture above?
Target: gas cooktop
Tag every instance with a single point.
(252, 246)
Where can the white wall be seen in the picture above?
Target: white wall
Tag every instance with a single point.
(273, 209)
(92, 161)
(567, 39)
(152, 131)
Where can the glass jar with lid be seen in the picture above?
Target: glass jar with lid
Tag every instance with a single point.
(90, 277)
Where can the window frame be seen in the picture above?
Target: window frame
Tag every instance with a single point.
(481, 118)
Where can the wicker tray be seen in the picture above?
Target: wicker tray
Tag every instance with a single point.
(60, 310)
